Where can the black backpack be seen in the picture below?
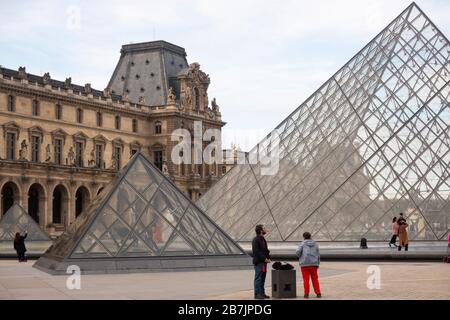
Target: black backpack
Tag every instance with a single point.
(363, 244)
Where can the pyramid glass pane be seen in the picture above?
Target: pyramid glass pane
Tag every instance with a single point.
(371, 142)
(16, 219)
(141, 221)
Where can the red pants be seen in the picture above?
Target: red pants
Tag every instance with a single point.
(308, 272)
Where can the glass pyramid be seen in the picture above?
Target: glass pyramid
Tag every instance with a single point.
(371, 142)
(142, 222)
(16, 219)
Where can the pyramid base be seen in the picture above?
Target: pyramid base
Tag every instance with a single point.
(137, 265)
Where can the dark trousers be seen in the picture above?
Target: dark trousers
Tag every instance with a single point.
(393, 239)
(260, 278)
(21, 255)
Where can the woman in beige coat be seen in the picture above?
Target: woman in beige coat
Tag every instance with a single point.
(402, 235)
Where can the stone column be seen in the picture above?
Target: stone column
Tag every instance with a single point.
(69, 215)
(49, 207)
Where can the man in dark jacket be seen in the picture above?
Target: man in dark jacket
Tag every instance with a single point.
(19, 246)
(260, 259)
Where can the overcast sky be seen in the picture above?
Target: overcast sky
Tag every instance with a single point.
(264, 58)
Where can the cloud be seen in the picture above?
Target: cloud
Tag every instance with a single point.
(264, 57)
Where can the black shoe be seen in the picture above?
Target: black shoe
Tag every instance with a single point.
(319, 295)
(259, 296)
(266, 296)
(306, 296)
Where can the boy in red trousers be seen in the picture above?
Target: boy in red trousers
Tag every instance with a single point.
(309, 258)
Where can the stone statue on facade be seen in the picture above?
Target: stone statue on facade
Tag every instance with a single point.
(23, 150)
(113, 161)
(91, 162)
(71, 157)
(47, 153)
(211, 113)
(171, 96)
(141, 100)
(214, 105)
(165, 169)
(187, 98)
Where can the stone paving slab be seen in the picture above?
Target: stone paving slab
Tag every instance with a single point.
(399, 280)
(339, 280)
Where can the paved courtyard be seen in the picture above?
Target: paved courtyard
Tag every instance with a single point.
(339, 280)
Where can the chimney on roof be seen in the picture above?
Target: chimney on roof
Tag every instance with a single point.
(68, 83)
(22, 73)
(87, 88)
(46, 78)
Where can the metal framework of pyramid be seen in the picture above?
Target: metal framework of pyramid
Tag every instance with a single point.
(142, 222)
(371, 142)
(16, 219)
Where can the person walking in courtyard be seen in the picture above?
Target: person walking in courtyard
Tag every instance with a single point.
(19, 246)
(261, 258)
(309, 259)
(394, 232)
(402, 235)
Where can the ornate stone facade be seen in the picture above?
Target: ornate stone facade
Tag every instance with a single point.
(61, 143)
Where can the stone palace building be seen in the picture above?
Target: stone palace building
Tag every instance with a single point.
(61, 143)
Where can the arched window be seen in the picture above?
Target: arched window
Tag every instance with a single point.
(158, 129)
(36, 201)
(79, 115)
(117, 122)
(197, 99)
(10, 103)
(10, 194)
(58, 111)
(60, 204)
(82, 199)
(99, 119)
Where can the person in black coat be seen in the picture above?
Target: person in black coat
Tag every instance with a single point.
(19, 246)
(261, 257)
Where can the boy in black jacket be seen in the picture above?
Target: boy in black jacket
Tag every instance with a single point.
(260, 259)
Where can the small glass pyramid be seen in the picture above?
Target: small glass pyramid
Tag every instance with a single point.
(142, 222)
(371, 142)
(16, 219)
